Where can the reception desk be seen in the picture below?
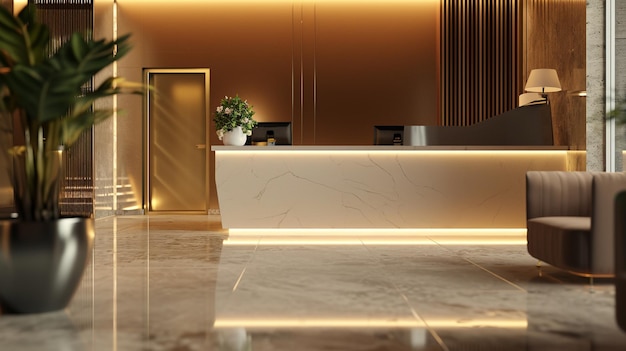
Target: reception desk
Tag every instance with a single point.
(379, 186)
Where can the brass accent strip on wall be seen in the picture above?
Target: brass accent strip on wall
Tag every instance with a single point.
(480, 59)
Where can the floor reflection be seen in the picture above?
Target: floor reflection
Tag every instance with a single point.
(179, 283)
(46, 331)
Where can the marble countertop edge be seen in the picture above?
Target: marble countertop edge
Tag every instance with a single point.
(387, 148)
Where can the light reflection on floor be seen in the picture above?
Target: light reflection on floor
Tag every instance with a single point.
(183, 283)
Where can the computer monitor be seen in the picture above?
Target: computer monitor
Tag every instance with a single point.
(280, 131)
(388, 135)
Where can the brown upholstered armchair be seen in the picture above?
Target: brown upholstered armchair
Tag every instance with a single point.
(570, 219)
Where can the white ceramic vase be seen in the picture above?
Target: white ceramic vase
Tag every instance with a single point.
(235, 137)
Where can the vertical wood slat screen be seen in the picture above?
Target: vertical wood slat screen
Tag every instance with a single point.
(481, 59)
(64, 17)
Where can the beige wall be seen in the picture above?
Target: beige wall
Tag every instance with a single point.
(596, 88)
(374, 64)
(332, 68)
(620, 77)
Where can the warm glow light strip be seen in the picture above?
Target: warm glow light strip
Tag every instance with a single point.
(114, 117)
(382, 241)
(378, 231)
(338, 242)
(114, 33)
(115, 290)
(18, 5)
(291, 152)
(367, 323)
(430, 236)
(182, 2)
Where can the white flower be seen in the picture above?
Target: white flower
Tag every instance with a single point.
(220, 134)
(248, 132)
(230, 114)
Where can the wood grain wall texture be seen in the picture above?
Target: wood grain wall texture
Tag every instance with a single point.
(555, 37)
(7, 3)
(481, 72)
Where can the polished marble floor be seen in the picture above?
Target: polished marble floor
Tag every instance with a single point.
(183, 283)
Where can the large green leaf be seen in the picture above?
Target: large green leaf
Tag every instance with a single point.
(47, 91)
(83, 115)
(44, 94)
(22, 39)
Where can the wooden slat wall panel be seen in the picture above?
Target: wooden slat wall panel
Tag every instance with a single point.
(480, 59)
(65, 17)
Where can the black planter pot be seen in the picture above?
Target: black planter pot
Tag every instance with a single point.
(41, 263)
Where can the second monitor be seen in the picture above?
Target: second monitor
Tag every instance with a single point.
(388, 135)
(264, 132)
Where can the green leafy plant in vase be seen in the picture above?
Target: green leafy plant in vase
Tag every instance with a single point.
(234, 120)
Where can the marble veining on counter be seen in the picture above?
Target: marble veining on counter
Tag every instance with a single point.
(381, 188)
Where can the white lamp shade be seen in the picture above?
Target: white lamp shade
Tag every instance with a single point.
(543, 80)
(529, 98)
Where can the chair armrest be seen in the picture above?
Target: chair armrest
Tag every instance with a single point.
(558, 193)
(605, 187)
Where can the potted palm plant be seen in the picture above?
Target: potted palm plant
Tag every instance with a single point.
(42, 255)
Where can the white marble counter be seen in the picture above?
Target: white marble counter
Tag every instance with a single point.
(378, 186)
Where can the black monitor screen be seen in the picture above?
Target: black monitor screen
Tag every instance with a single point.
(388, 135)
(280, 131)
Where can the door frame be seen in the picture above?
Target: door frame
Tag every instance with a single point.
(147, 72)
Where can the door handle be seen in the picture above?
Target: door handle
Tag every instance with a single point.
(200, 146)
